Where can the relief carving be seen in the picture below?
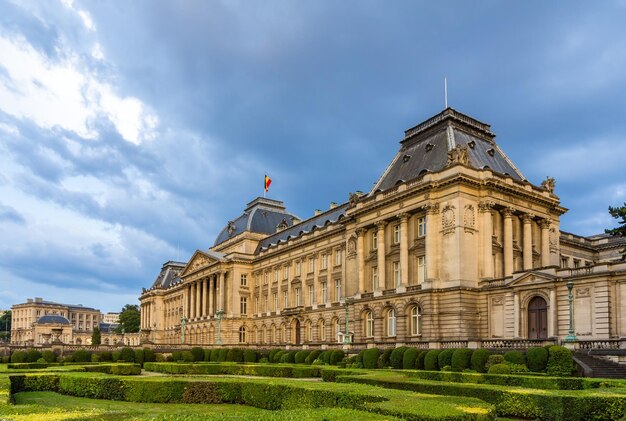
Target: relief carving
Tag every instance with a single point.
(458, 155)
(447, 217)
(469, 218)
(497, 301)
(548, 184)
(582, 292)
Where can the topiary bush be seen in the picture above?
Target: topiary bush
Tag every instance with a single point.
(537, 359)
(493, 360)
(32, 355)
(419, 361)
(560, 361)
(301, 356)
(139, 356)
(336, 356)
(127, 354)
(198, 353)
(49, 356)
(370, 358)
(501, 368)
(445, 358)
(431, 361)
(518, 368)
(408, 358)
(82, 356)
(272, 355)
(479, 360)
(115, 356)
(249, 356)
(383, 360)
(223, 354)
(148, 355)
(18, 357)
(215, 355)
(461, 359)
(106, 356)
(235, 355)
(396, 356)
(187, 356)
(312, 356)
(325, 357)
(514, 357)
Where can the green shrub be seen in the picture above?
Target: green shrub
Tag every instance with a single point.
(500, 369)
(67, 359)
(537, 358)
(396, 357)
(461, 359)
(272, 354)
(160, 358)
(479, 360)
(187, 356)
(370, 358)
(95, 358)
(445, 358)
(312, 356)
(127, 354)
(514, 357)
(560, 361)
(336, 356)
(222, 355)
(409, 357)
(419, 361)
(32, 355)
(249, 356)
(431, 360)
(518, 368)
(263, 360)
(494, 359)
(49, 356)
(177, 356)
(278, 356)
(148, 355)
(235, 355)
(106, 356)
(301, 356)
(139, 356)
(359, 357)
(383, 360)
(18, 357)
(81, 356)
(6, 359)
(215, 355)
(291, 357)
(198, 353)
(325, 357)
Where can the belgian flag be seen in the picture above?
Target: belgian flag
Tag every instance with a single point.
(267, 183)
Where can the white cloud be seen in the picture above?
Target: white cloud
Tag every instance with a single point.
(96, 52)
(64, 93)
(87, 20)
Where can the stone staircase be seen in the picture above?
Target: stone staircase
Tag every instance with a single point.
(599, 366)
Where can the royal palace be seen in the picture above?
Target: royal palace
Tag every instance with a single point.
(452, 247)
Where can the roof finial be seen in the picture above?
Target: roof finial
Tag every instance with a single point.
(445, 90)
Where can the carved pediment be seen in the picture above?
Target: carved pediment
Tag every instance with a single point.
(533, 278)
(198, 261)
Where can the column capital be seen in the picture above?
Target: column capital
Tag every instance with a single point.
(508, 212)
(486, 206)
(432, 208)
(360, 231)
(403, 217)
(381, 225)
(527, 218)
(545, 223)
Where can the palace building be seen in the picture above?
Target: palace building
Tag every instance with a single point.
(452, 247)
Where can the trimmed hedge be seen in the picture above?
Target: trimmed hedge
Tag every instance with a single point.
(396, 357)
(431, 361)
(537, 358)
(198, 353)
(301, 356)
(126, 354)
(116, 369)
(383, 360)
(370, 358)
(479, 359)
(419, 361)
(560, 361)
(461, 359)
(409, 357)
(445, 358)
(514, 357)
(249, 356)
(312, 356)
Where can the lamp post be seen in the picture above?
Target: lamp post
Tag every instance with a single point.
(182, 330)
(346, 337)
(571, 337)
(218, 316)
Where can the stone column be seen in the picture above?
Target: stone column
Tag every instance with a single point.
(193, 300)
(516, 315)
(508, 241)
(552, 316)
(360, 259)
(198, 299)
(404, 249)
(487, 225)
(545, 242)
(188, 302)
(211, 295)
(431, 241)
(381, 254)
(220, 289)
(204, 296)
(528, 241)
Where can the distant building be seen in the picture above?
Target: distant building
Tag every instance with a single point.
(111, 318)
(452, 247)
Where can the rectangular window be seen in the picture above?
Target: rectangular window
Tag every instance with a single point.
(576, 263)
(298, 304)
(564, 261)
(338, 257)
(311, 264)
(265, 304)
(286, 272)
(256, 305)
(275, 297)
(324, 261)
(375, 240)
(298, 268)
(324, 293)
(267, 278)
(421, 269)
(396, 273)
(396, 234)
(374, 278)
(311, 295)
(243, 306)
(244, 280)
(276, 274)
(285, 299)
(421, 227)
(337, 290)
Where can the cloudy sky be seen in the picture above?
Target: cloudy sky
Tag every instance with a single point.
(131, 131)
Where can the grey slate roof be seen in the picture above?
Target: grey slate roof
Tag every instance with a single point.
(53, 319)
(108, 327)
(317, 221)
(261, 216)
(425, 149)
(168, 275)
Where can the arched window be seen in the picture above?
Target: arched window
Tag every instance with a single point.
(415, 325)
(391, 322)
(272, 333)
(336, 329)
(263, 334)
(282, 337)
(308, 331)
(242, 335)
(321, 330)
(369, 324)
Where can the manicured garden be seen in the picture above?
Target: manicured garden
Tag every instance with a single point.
(402, 383)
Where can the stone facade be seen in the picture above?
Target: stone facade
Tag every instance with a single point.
(452, 247)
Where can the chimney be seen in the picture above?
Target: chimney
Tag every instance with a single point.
(333, 205)
(29, 300)
(38, 299)
(317, 212)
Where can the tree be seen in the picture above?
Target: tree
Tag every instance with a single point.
(96, 336)
(617, 213)
(5, 326)
(129, 319)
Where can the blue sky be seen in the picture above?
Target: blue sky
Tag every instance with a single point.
(130, 132)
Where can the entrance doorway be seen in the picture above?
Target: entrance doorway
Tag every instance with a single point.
(537, 319)
(296, 331)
